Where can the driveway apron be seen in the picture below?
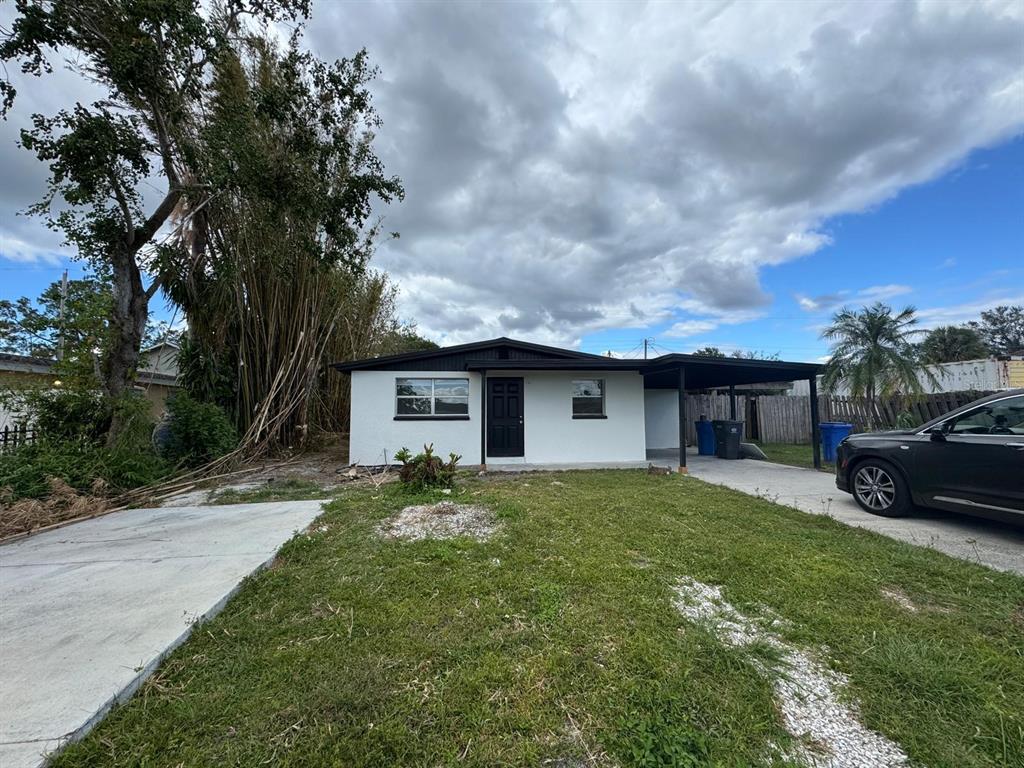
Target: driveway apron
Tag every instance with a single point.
(89, 610)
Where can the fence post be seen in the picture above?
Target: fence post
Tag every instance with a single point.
(815, 428)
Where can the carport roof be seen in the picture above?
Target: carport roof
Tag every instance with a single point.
(659, 372)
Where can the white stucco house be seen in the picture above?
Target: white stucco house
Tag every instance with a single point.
(508, 403)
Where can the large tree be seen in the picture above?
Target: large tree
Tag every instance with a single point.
(1002, 329)
(952, 343)
(151, 59)
(873, 352)
(71, 324)
(289, 140)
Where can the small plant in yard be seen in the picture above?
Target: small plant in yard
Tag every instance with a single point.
(425, 470)
(657, 734)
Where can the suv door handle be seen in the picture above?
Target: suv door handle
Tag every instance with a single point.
(1018, 446)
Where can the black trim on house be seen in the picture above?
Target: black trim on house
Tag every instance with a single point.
(439, 417)
(454, 358)
(659, 372)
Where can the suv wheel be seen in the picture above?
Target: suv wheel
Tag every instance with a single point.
(880, 490)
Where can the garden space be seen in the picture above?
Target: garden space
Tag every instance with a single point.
(588, 618)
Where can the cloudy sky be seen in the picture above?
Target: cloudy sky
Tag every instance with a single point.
(721, 173)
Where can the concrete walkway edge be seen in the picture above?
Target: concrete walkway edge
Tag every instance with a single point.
(90, 611)
(135, 683)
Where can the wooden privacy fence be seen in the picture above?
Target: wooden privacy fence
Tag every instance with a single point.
(884, 412)
(12, 437)
(787, 418)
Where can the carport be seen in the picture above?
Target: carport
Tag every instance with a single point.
(694, 372)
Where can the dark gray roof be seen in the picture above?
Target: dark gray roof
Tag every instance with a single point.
(659, 372)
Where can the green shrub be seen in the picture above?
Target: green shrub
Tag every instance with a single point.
(79, 463)
(197, 432)
(425, 470)
(59, 413)
(136, 415)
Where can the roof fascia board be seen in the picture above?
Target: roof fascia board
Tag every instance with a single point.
(502, 341)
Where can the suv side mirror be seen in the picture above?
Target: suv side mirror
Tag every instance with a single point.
(937, 435)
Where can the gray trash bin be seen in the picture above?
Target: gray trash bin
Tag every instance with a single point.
(728, 436)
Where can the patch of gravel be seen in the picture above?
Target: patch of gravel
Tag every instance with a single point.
(443, 520)
(806, 691)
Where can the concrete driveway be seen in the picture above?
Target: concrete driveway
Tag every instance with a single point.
(997, 545)
(89, 610)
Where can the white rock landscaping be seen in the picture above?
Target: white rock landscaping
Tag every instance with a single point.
(805, 690)
(443, 520)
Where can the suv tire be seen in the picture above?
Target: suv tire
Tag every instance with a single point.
(879, 488)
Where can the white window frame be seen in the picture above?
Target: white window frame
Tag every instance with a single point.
(572, 399)
(432, 397)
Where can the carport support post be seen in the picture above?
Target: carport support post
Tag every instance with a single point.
(732, 402)
(815, 428)
(682, 421)
(483, 420)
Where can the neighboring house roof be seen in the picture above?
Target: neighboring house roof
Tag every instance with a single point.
(24, 363)
(659, 372)
(161, 345)
(29, 364)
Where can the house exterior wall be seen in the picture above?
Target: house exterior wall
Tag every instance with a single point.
(374, 433)
(551, 435)
(661, 418)
(163, 358)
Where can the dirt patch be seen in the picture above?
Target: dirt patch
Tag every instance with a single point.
(443, 520)
(807, 692)
(900, 598)
(63, 503)
(327, 469)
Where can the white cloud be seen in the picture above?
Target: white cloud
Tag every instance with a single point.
(830, 301)
(959, 314)
(582, 166)
(689, 328)
(882, 292)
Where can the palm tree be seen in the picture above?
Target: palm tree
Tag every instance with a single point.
(873, 352)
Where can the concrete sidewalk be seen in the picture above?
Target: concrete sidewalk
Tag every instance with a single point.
(997, 545)
(89, 610)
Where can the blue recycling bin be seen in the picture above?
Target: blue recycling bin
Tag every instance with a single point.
(832, 434)
(705, 437)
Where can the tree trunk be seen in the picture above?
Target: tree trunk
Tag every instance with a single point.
(127, 327)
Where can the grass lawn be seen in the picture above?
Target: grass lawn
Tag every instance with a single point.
(794, 455)
(556, 642)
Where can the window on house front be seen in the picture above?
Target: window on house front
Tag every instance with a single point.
(432, 397)
(588, 398)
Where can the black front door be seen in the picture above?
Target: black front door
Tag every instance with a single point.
(504, 417)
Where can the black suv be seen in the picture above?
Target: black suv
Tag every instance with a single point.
(970, 460)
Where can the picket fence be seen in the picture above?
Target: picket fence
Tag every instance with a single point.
(787, 418)
(13, 437)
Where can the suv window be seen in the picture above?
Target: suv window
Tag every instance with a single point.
(1004, 417)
